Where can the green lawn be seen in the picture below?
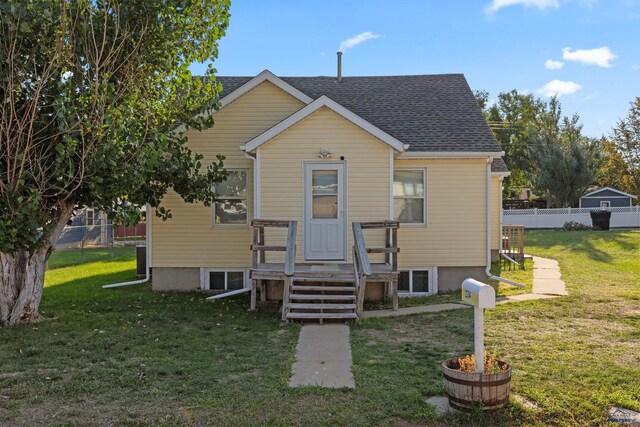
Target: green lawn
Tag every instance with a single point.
(128, 356)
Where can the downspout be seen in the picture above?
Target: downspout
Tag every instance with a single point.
(255, 182)
(147, 275)
(488, 269)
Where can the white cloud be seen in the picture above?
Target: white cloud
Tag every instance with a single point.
(559, 88)
(356, 40)
(601, 56)
(496, 5)
(553, 65)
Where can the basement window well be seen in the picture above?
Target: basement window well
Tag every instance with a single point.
(416, 282)
(224, 280)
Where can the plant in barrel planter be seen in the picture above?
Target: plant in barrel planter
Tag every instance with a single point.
(469, 384)
(468, 389)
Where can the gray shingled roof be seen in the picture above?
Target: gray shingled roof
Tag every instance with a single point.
(429, 112)
(499, 165)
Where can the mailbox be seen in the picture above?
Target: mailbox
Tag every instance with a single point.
(478, 294)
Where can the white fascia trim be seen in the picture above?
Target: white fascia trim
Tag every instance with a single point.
(610, 189)
(323, 101)
(502, 174)
(450, 154)
(264, 76)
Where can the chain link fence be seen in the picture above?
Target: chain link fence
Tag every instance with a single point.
(84, 243)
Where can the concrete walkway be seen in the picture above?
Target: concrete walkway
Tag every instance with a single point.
(323, 357)
(323, 353)
(547, 277)
(433, 308)
(547, 283)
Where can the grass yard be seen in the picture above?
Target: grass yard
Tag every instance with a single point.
(128, 356)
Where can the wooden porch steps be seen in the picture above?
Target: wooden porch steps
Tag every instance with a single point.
(321, 300)
(322, 288)
(317, 316)
(322, 297)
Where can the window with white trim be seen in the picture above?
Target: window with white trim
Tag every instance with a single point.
(231, 206)
(418, 281)
(90, 217)
(408, 196)
(224, 280)
(605, 204)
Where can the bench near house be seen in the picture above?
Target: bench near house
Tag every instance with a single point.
(346, 161)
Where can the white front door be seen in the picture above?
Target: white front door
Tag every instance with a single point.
(324, 223)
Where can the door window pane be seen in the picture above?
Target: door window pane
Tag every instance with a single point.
(409, 210)
(216, 280)
(420, 281)
(325, 181)
(325, 207)
(235, 280)
(403, 281)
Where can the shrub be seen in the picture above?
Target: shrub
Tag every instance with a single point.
(491, 364)
(576, 226)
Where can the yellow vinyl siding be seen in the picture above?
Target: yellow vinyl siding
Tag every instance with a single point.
(188, 239)
(496, 189)
(366, 173)
(455, 233)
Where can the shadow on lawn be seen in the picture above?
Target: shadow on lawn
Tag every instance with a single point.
(584, 242)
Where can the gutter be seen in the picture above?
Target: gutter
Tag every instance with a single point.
(147, 275)
(488, 268)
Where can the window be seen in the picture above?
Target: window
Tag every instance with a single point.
(408, 196)
(90, 218)
(415, 282)
(224, 280)
(231, 207)
(605, 204)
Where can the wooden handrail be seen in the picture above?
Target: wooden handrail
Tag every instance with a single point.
(380, 224)
(364, 266)
(270, 223)
(290, 252)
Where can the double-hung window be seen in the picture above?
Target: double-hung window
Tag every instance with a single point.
(408, 196)
(231, 206)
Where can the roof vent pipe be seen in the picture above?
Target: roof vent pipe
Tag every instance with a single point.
(339, 66)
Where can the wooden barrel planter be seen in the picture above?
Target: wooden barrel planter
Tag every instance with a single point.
(469, 391)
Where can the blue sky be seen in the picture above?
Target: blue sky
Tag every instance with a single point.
(498, 44)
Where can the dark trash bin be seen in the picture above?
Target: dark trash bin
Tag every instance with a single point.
(141, 261)
(601, 219)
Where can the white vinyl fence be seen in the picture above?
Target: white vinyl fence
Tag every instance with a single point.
(555, 218)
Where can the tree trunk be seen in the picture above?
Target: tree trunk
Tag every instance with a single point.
(21, 285)
(22, 274)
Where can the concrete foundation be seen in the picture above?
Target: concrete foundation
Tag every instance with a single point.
(451, 278)
(187, 279)
(178, 279)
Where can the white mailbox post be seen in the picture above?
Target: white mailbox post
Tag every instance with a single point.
(480, 296)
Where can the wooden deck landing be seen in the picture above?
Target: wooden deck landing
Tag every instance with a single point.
(321, 272)
(321, 290)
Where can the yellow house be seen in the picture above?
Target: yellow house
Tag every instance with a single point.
(327, 152)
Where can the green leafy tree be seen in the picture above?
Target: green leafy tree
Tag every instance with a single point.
(626, 139)
(615, 172)
(510, 119)
(564, 163)
(91, 94)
